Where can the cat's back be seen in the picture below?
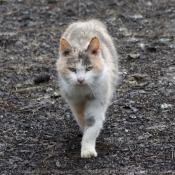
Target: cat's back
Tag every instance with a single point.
(88, 28)
(80, 33)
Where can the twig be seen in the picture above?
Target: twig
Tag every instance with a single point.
(29, 88)
(51, 155)
(114, 102)
(44, 149)
(169, 110)
(131, 150)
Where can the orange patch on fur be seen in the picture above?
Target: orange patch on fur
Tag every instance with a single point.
(94, 46)
(62, 65)
(79, 110)
(94, 54)
(65, 47)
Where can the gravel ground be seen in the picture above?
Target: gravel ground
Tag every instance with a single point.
(38, 134)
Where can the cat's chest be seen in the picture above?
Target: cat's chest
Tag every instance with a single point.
(81, 91)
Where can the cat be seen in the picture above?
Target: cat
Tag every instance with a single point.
(88, 74)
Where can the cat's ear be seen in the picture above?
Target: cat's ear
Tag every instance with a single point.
(65, 47)
(94, 46)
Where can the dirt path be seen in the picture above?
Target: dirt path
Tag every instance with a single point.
(38, 134)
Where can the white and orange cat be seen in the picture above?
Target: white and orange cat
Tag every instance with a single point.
(88, 74)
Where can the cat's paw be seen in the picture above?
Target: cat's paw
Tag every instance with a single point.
(88, 153)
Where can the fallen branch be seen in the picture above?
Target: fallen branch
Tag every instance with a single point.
(30, 88)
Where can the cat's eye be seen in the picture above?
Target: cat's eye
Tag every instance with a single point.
(72, 69)
(89, 68)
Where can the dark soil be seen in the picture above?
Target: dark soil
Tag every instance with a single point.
(38, 134)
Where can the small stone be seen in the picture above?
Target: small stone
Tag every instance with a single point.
(151, 85)
(142, 45)
(164, 40)
(134, 55)
(166, 106)
(58, 164)
(18, 85)
(135, 16)
(123, 73)
(137, 77)
(159, 127)
(148, 3)
(133, 116)
(134, 109)
(144, 136)
(2, 146)
(49, 90)
(133, 40)
(55, 95)
(1, 154)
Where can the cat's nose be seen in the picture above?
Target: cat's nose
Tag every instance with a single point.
(81, 80)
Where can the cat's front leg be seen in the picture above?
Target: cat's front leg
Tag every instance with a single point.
(94, 117)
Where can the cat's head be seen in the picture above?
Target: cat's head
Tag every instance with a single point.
(80, 67)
